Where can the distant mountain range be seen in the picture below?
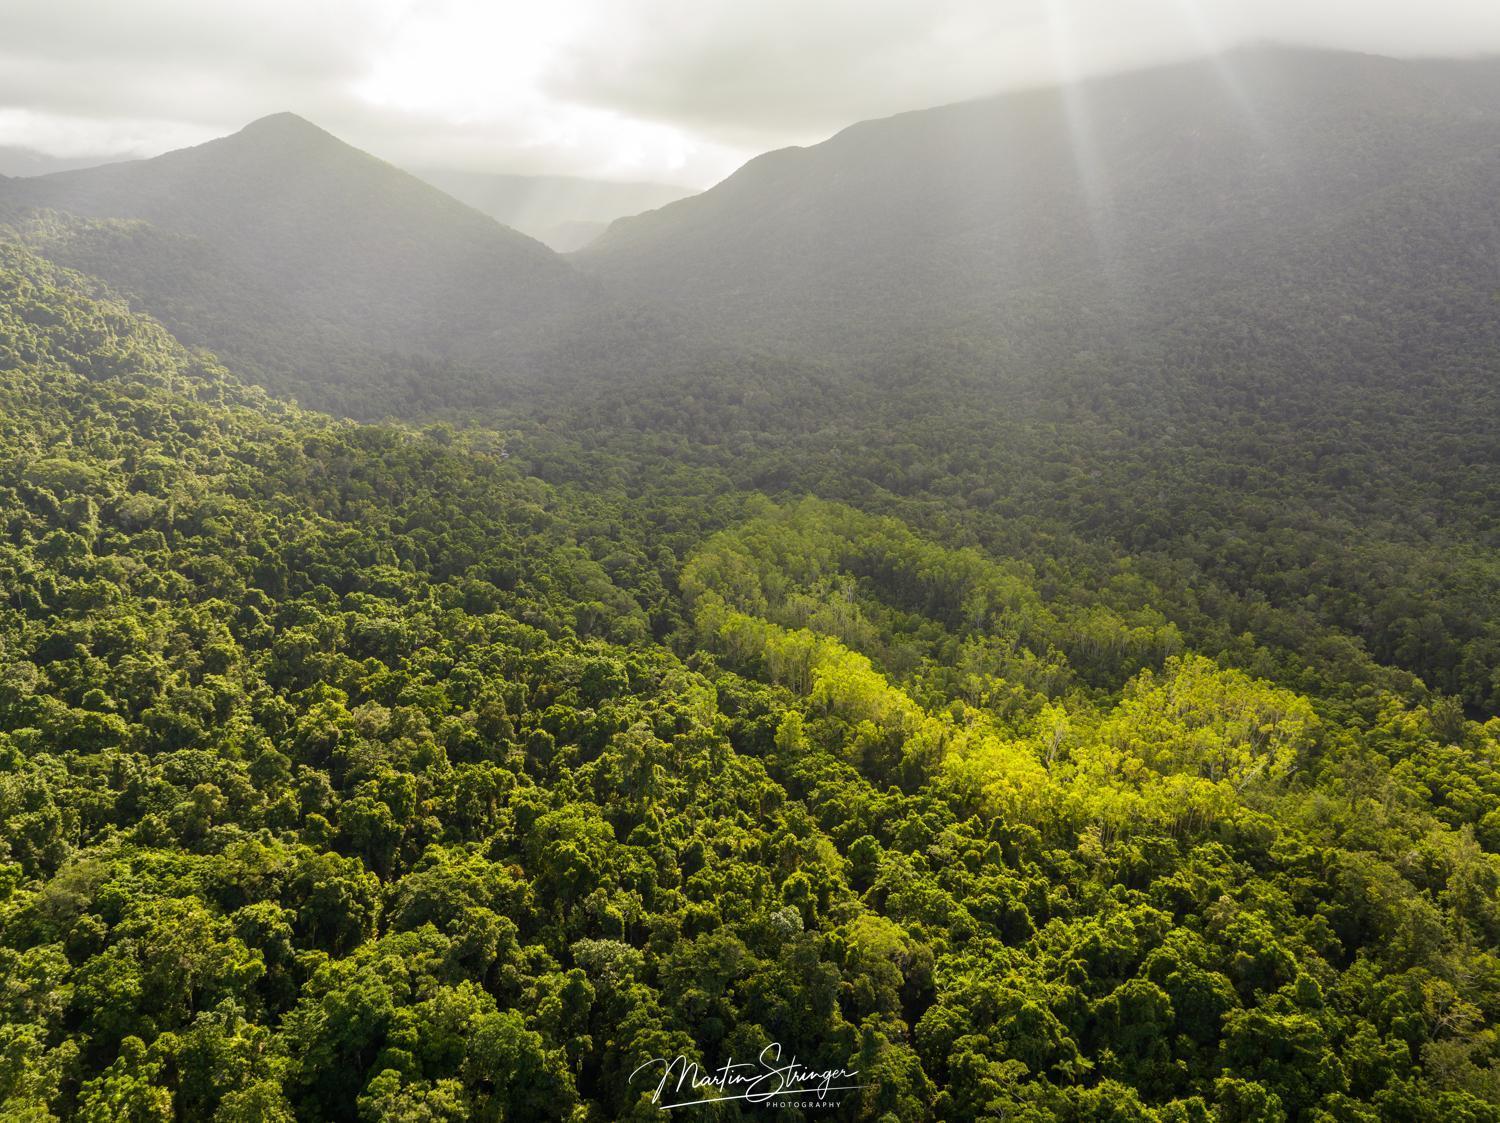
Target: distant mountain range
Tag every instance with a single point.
(18, 161)
(565, 212)
(1277, 207)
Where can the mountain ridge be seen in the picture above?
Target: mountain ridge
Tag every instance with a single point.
(937, 216)
(368, 255)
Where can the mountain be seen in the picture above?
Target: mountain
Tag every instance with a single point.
(565, 212)
(18, 161)
(327, 224)
(294, 254)
(1077, 216)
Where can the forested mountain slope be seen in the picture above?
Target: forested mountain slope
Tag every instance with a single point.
(1281, 402)
(326, 274)
(346, 236)
(354, 772)
(1044, 222)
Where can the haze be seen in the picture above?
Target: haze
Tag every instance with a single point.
(679, 91)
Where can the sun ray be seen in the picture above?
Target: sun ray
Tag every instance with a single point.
(1213, 45)
(1083, 139)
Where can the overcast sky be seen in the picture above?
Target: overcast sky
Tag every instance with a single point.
(680, 91)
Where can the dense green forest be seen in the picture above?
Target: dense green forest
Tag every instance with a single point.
(446, 771)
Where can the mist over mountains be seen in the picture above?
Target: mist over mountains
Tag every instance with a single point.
(1120, 201)
(565, 212)
(1303, 231)
(348, 237)
(1113, 212)
(319, 270)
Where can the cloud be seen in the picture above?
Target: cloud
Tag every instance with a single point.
(135, 79)
(753, 72)
(183, 61)
(420, 82)
(779, 68)
(680, 90)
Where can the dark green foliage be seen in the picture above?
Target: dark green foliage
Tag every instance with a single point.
(352, 772)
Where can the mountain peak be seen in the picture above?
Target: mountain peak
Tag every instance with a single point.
(284, 126)
(282, 120)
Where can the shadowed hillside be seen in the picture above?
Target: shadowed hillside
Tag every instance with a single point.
(320, 270)
(1095, 212)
